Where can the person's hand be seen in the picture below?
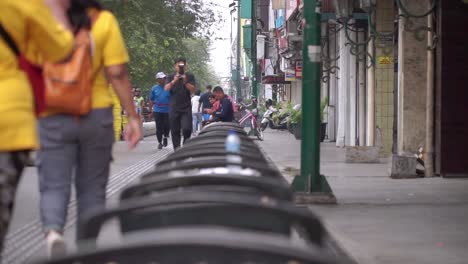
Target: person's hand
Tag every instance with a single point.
(133, 132)
(177, 77)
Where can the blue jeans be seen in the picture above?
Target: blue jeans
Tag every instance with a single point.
(80, 148)
(196, 119)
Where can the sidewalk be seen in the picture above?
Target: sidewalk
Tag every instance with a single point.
(25, 241)
(379, 220)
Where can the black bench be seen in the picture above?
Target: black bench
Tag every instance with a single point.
(194, 245)
(173, 208)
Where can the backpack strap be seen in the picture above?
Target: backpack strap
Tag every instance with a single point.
(9, 40)
(94, 17)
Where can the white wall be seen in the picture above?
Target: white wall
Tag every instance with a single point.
(296, 92)
(268, 92)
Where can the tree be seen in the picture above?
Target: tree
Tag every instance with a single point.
(198, 58)
(158, 31)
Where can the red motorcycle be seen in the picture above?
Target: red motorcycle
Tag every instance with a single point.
(253, 124)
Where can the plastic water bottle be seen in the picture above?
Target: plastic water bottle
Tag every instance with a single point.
(233, 144)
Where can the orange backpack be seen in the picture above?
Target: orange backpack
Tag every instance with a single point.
(69, 84)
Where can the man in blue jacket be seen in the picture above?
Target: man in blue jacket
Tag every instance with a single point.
(225, 112)
(159, 102)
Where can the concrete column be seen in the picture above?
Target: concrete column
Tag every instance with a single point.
(429, 156)
(412, 83)
(384, 71)
(412, 89)
(401, 78)
(362, 94)
(343, 88)
(333, 88)
(352, 98)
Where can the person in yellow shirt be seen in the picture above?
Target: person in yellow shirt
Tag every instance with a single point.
(83, 148)
(42, 24)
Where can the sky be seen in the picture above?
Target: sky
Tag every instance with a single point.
(219, 49)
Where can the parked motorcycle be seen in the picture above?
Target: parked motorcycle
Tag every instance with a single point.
(249, 119)
(268, 120)
(280, 122)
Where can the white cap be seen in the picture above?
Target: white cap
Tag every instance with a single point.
(160, 75)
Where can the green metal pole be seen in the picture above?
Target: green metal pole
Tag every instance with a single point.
(253, 52)
(231, 81)
(238, 51)
(310, 179)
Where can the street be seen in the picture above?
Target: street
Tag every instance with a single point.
(363, 160)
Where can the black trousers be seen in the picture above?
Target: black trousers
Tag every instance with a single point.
(180, 122)
(11, 167)
(162, 125)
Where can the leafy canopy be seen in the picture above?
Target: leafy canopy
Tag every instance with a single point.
(158, 31)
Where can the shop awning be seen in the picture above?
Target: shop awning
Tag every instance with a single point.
(271, 79)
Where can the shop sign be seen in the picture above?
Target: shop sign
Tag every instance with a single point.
(290, 76)
(383, 60)
(385, 38)
(280, 18)
(298, 71)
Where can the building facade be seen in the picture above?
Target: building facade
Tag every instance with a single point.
(393, 74)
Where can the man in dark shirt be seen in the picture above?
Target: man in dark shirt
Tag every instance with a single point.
(225, 112)
(181, 85)
(205, 100)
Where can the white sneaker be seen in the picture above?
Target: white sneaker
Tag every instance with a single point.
(56, 246)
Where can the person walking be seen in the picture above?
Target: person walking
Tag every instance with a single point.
(225, 112)
(159, 102)
(139, 102)
(23, 24)
(79, 149)
(181, 85)
(205, 101)
(196, 115)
